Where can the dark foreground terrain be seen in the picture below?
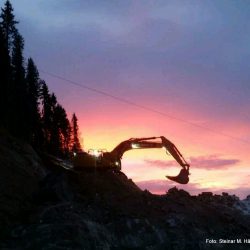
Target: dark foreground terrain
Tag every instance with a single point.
(47, 207)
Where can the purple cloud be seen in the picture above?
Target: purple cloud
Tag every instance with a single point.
(209, 162)
(212, 162)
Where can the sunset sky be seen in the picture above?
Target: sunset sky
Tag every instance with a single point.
(186, 59)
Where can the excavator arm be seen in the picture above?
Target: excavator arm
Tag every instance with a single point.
(144, 143)
(182, 177)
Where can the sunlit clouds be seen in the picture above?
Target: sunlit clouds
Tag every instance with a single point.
(186, 59)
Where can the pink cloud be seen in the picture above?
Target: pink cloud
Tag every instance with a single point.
(212, 162)
(160, 163)
(209, 162)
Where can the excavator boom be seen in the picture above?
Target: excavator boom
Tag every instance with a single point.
(144, 143)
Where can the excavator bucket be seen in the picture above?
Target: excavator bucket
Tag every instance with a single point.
(181, 178)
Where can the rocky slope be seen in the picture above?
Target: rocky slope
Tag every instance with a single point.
(48, 207)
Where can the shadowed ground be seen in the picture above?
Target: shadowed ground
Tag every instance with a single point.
(47, 207)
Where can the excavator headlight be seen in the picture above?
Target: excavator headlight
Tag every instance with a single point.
(134, 145)
(96, 153)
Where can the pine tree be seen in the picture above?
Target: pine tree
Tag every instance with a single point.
(5, 77)
(19, 103)
(27, 109)
(75, 144)
(33, 90)
(16, 100)
(8, 24)
(7, 33)
(54, 143)
(46, 115)
(61, 131)
(65, 130)
(56, 125)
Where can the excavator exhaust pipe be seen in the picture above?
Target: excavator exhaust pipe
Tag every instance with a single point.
(181, 178)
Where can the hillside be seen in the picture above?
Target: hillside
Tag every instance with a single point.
(47, 207)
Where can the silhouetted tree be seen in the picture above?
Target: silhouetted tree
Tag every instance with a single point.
(61, 131)
(7, 33)
(33, 91)
(19, 90)
(56, 125)
(65, 129)
(8, 24)
(5, 77)
(15, 86)
(54, 140)
(46, 114)
(27, 109)
(75, 144)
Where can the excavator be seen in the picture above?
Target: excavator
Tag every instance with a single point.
(101, 159)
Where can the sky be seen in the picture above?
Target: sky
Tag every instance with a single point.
(188, 60)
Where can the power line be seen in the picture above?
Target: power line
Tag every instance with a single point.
(123, 100)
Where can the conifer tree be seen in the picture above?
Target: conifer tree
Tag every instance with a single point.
(27, 109)
(16, 101)
(8, 24)
(33, 90)
(5, 76)
(19, 114)
(65, 130)
(46, 115)
(54, 143)
(61, 131)
(56, 125)
(75, 144)
(7, 33)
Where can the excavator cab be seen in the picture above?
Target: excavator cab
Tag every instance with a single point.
(182, 177)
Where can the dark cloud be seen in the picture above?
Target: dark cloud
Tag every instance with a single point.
(210, 162)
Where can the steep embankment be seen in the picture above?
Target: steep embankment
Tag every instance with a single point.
(20, 171)
(105, 210)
